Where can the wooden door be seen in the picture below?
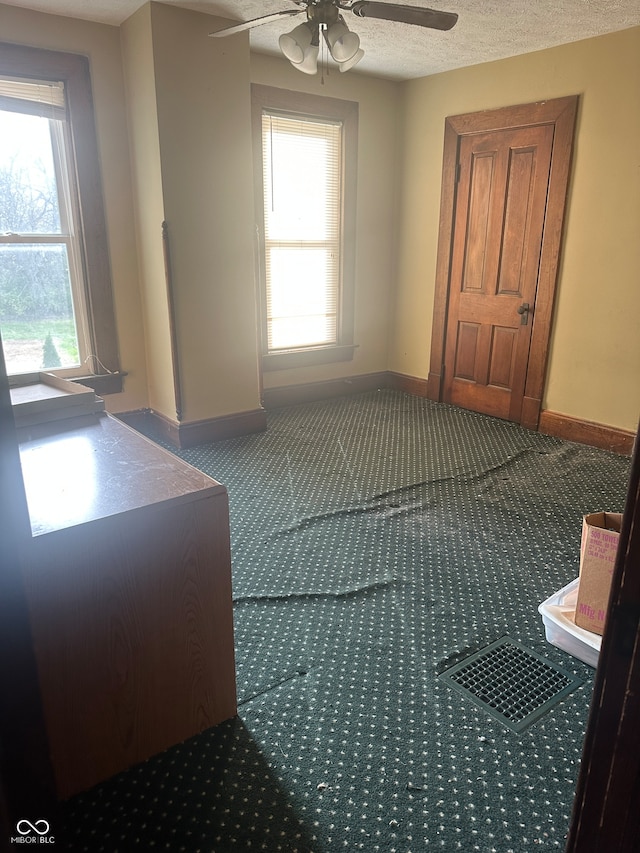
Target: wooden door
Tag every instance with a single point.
(502, 192)
(504, 185)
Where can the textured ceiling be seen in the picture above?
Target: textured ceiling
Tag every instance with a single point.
(486, 29)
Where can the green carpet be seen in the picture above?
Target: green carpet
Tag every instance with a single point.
(377, 540)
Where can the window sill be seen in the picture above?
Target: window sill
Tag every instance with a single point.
(306, 357)
(103, 383)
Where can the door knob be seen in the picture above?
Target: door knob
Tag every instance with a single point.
(523, 310)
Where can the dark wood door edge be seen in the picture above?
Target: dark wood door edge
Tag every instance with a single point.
(606, 811)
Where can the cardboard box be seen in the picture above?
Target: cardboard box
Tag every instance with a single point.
(598, 548)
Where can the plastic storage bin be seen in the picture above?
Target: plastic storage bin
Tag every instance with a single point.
(558, 616)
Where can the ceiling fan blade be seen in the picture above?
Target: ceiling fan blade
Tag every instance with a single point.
(255, 22)
(405, 14)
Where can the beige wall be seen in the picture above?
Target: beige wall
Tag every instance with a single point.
(378, 139)
(140, 85)
(102, 45)
(204, 131)
(189, 114)
(594, 359)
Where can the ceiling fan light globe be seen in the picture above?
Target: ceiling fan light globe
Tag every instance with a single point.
(292, 51)
(345, 66)
(309, 64)
(343, 44)
(294, 44)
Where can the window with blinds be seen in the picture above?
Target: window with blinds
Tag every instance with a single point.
(302, 193)
(38, 97)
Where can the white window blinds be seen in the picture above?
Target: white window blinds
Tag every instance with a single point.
(37, 97)
(302, 166)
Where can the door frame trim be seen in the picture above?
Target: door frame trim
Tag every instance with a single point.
(560, 112)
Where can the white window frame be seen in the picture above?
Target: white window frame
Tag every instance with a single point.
(269, 99)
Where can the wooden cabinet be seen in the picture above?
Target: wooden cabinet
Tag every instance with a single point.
(128, 579)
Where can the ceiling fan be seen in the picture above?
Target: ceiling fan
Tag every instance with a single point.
(301, 46)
